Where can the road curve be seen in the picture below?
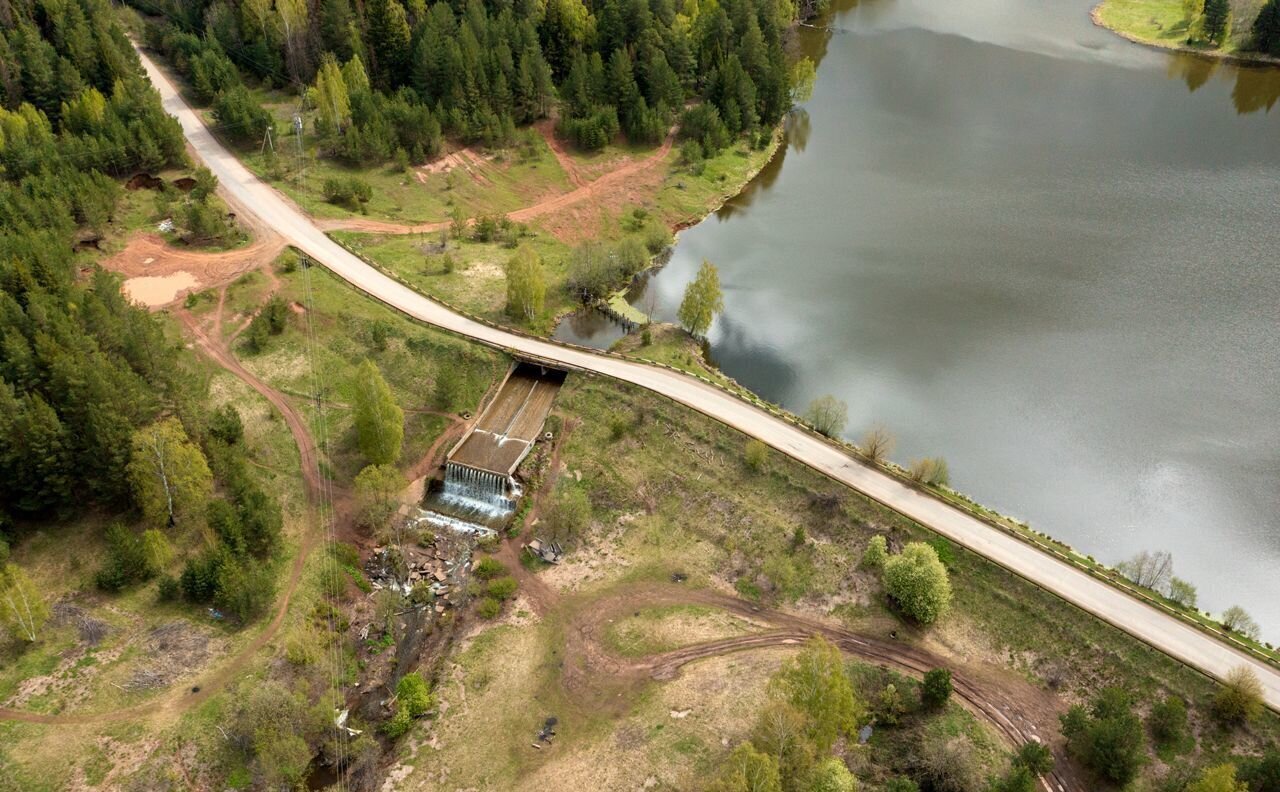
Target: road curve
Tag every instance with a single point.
(1160, 630)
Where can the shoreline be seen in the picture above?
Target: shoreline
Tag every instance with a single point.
(1254, 60)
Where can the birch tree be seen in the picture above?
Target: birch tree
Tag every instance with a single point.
(379, 420)
(526, 284)
(293, 22)
(23, 610)
(703, 300)
(168, 473)
(331, 98)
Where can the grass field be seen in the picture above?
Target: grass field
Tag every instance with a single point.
(348, 329)
(489, 183)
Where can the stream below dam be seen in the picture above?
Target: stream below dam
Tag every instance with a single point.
(1046, 254)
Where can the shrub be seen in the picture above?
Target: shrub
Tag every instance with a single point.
(225, 425)
(1239, 700)
(167, 588)
(1237, 619)
(489, 608)
(656, 238)
(1108, 737)
(1035, 757)
(877, 444)
(831, 775)
(936, 688)
(918, 582)
(503, 588)
(930, 471)
(1168, 721)
(126, 561)
(413, 695)
(632, 256)
(398, 724)
(877, 550)
(755, 455)
(488, 568)
(351, 192)
(592, 272)
(827, 415)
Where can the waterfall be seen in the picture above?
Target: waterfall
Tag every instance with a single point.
(476, 490)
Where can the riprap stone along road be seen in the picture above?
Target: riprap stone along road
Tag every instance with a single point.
(1160, 630)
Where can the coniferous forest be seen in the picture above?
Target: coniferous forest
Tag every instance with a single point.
(389, 79)
(80, 368)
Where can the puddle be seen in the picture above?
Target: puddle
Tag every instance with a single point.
(154, 290)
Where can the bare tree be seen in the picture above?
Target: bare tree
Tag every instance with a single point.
(877, 443)
(1149, 570)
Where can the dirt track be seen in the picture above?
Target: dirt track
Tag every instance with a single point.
(181, 699)
(613, 180)
(599, 679)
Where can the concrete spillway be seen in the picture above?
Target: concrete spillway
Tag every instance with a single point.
(479, 486)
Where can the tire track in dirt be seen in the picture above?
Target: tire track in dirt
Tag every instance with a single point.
(1016, 709)
(593, 189)
(182, 699)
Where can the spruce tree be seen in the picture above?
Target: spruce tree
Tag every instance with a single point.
(1266, 29)
(1217, 18)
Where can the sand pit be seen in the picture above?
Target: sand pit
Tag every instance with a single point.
(156, 290)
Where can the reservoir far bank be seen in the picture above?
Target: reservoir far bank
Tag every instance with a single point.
(1042, 252)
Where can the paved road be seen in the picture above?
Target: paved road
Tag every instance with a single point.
(1160, 630)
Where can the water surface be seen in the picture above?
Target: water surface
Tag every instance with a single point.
(1044, 253)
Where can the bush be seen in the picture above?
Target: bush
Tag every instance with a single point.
(593, 270)
(1168, 721)
(503, 588)
(489, 608)
(398, 724)
(351, 192)
(918, 582)
(703, 124)
(632, 256)
(1107, 738)
(167, 589)
(877, 550)
(930, 471)
(831, 775)
(755, 455)
(413, 695)
(126, 561)
(1035, 757)
(827, 415)
(656, 238)
(1239, 700)
(936, 688)
(225, 425)
(488, 568)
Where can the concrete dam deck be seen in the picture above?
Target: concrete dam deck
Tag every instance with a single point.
(510, 424)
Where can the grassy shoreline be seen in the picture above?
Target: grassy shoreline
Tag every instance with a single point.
(1163, 25)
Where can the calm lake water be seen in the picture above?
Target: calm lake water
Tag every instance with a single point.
(1044, 253)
